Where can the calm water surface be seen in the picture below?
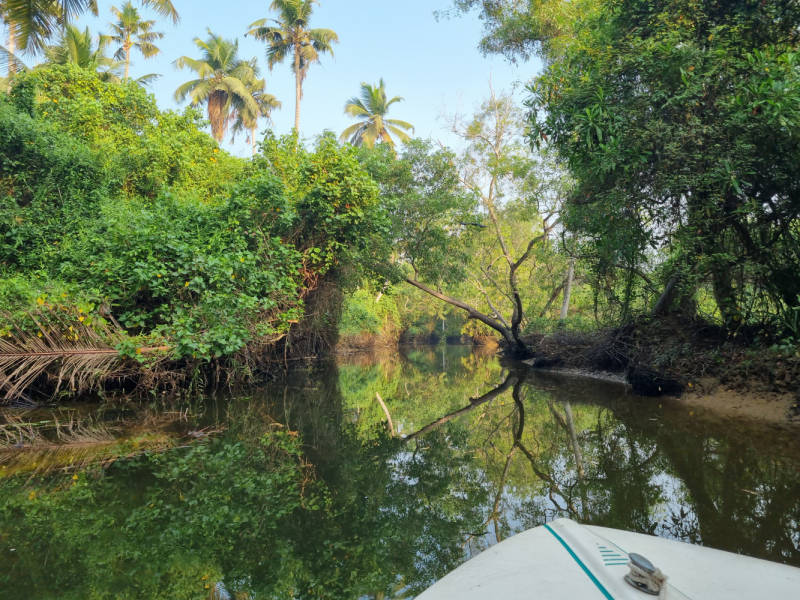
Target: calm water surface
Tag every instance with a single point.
(297, 488)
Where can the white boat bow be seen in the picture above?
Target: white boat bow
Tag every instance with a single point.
(569, 561)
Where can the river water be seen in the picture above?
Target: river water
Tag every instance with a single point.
(297, 488)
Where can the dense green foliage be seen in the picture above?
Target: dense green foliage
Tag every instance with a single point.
(160, 230)
(679, 123)
(655, 168)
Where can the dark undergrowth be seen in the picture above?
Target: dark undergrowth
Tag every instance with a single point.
(669, 355)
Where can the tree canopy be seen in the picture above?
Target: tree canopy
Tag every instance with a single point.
(371, 109)
(290, 35)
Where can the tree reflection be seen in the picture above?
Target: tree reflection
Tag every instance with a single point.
(305, 495)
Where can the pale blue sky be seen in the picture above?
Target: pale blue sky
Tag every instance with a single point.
(434, 65)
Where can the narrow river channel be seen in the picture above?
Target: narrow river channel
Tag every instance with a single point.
(298, 489)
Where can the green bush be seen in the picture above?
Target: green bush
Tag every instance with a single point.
(362, 315)
(111, 204)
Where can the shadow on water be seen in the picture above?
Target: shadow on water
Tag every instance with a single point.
(297, 489)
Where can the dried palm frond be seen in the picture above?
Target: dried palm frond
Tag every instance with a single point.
(40, 442)
(42, 459)
(64, 348)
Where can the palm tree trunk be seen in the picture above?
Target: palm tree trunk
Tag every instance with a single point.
(298, 88)
(12, 46)
(253, 139)
(127, 61)
(216, 102)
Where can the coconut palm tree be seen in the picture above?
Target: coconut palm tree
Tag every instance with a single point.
(289, 34)
(223, 82)
(77, 47)
(131, 31)
(371, 109)
(247, 120)
(34, 21)
(29, 25)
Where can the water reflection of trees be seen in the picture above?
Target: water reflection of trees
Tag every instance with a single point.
(353, 513)
(621, 464)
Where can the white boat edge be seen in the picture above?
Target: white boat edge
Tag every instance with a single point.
(566, 560)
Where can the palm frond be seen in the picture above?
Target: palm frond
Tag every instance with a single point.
(65, 350)
(371, 107)
(147, 80)
(404, 137)
(323, 40)
(165, 8)
(32, 22)
(399, 123)
(10, 62)
(351, 133)
(355, 108)
(393, 100)
(70, 352)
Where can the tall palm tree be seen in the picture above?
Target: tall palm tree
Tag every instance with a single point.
(29, 25)
(33, 21)
(131, 31)
(247, 120)
(77, 47)
(371, 109)
(290, 34)
(223, 82)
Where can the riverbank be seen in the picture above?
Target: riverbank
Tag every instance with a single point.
(695, 362)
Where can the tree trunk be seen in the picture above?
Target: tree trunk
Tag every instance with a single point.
(515, 345)
(127, 61)
(552, 299)
(573, 439)
(216, 103)
(298, 88)
(725, 295)
(253, 139)
(510, 380)
(664, 302)
(12, 47)
(567, 290)
(386, 412)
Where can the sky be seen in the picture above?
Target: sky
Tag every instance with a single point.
(435, 66)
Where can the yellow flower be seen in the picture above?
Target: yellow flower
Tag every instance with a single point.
(81, 319)
(159, 275)
(138, 351)
(241, 260)
(32, 496)
(40, 301)
(186, 284)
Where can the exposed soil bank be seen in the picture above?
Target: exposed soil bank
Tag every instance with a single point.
(697, 363)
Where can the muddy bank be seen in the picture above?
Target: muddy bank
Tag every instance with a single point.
(695, 362)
